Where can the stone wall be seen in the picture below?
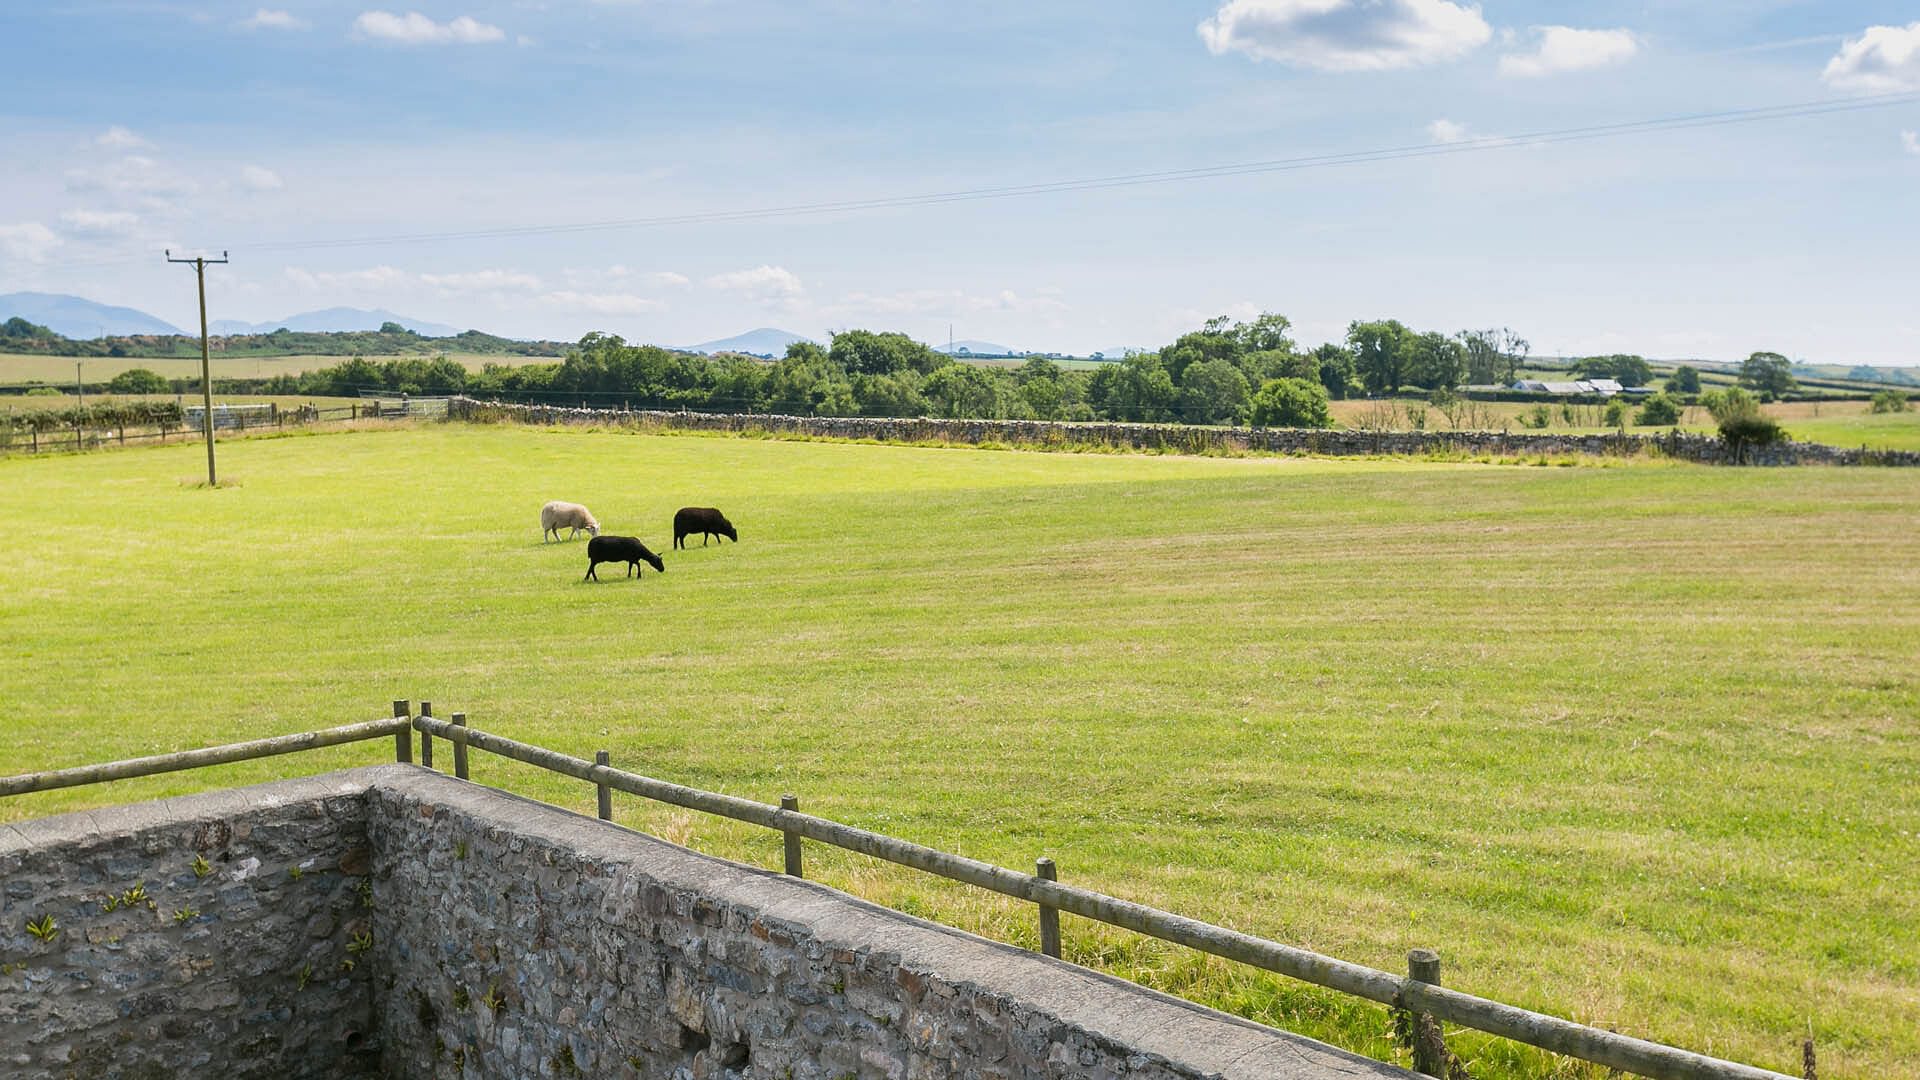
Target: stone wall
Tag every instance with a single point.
(229, 949)
(1703, 449)
(500, 938)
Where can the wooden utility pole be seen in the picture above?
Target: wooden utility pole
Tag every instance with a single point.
(199, 265)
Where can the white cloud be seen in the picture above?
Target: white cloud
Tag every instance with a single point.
(261, 179)
(668, 278)
(1346, 35)
(1566, 48)
(28, 241)
(135, 179)
(760, 283)
(269, 19)
(942, 302)
(1910, 140)
(414, 28)
(373, 277)
(392, 280)
(119, 138)
(1884, 58)
(482, 281)
(100, 221)
(602, 303)
(1446, 131)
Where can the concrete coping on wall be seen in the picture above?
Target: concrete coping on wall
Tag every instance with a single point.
(1186, 1038)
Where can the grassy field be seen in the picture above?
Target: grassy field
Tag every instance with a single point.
(1840, 423)
(1635, 744)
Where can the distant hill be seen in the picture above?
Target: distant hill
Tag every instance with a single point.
(333, 321)
(973, 348)
(766, 341)
(78, 317)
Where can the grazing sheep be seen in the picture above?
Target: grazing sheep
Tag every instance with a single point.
(565, 515)
(626, 549)
(704, 520)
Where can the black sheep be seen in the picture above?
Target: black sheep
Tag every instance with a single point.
(704, 520)
(626, 549)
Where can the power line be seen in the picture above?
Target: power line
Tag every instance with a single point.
(1477, 144)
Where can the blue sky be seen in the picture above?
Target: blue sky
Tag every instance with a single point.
(134, 125)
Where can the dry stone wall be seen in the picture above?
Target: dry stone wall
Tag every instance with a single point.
(212, 935)
(1175, 438)
(442, 929)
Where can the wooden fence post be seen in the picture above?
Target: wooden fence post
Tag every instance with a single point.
(460, 746)
(606, 793)
(792, 839)
(1049, 915)
(1429, 1042)
(426, 738)
(402, 740)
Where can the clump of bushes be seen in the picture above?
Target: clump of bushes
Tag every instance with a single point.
(1742, 425)
(103, 414)
(138, 381)
(1659, 411)
(1891, 401)
(1291, 403)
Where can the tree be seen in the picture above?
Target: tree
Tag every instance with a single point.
(1768, 374)
(863, 352)
(1137, 388)
(1291, 403)
(1379, 354)
(1213, 392)
(391, 327)
(1334, 369)
(1214, 341)
(1685, 380)
(1484, 362)
(1623, 368)
(1434, 361)
(19, 329)
(1037, 368)
(137, 381)
(1044, 398)
(890, 395)
(962, 390)
(1659, 411)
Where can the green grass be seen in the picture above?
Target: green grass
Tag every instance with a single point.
(1634, 744)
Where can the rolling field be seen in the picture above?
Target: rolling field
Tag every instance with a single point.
(1638, 744)
(1837, 423)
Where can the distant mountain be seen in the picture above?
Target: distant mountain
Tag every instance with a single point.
(77, 317)
(766, 341)
(973, 348)
(333, 320)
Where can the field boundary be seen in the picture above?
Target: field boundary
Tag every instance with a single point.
(71, 431)
(1181, 439)
(1418, 997)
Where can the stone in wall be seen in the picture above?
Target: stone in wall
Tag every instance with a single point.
(533, 942)
(201, 936)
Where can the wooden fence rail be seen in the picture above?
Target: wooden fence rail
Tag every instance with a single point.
(1418, 993)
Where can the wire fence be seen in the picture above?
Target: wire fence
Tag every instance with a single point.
(20, 438)
(1418, 995)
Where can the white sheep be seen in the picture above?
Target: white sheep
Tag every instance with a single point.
(565, 515)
